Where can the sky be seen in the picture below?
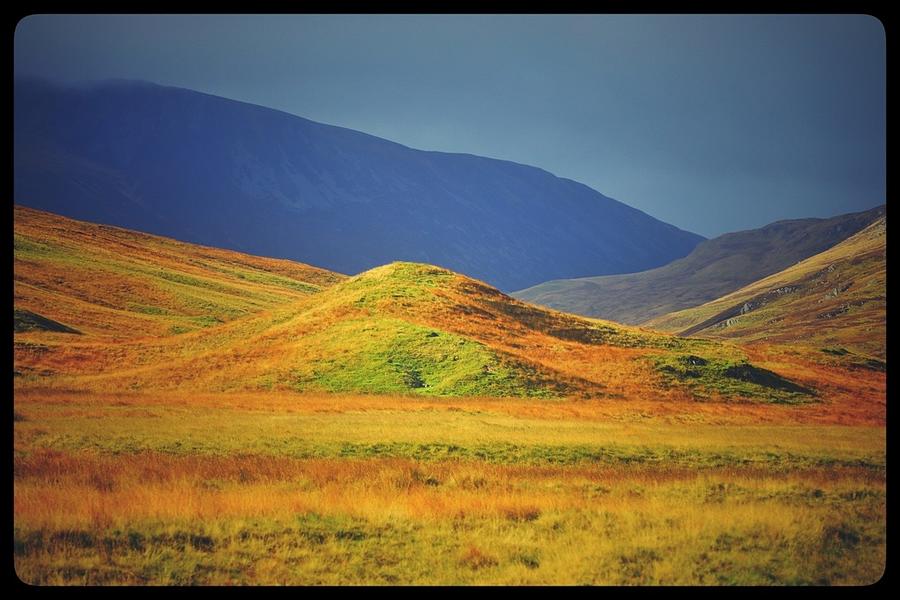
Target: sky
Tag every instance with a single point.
(713, 123)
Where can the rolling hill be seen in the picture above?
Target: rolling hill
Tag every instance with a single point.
(117, 284)
(835, 300)
(714, 268)
(222, 173)
(151, 314)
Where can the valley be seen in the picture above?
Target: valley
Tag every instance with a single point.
(715, 268)
(191, 415)
(448, 299)
(835, 300)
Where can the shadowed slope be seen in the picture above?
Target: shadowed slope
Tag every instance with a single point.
(25, 320)
(715, 267)
(234, 175)
(835, 300)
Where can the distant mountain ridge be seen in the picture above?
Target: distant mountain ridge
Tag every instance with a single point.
(715, 268)
(836, 299)
(223, 173)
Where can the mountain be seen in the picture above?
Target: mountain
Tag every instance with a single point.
(222, 173)
(835, 300)
(714, 268)
(102, 309)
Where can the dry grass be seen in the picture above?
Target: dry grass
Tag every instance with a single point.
(115, 490)
(168, 444)
(319, 489)
(454, 522)
(115, 284)
(845, 410)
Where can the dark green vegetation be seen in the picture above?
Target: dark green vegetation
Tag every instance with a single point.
(856, 360)
(25, 320)
(715, 268)
(716, 378)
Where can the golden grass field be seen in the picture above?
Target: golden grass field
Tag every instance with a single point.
(298, 490)
(225, 419)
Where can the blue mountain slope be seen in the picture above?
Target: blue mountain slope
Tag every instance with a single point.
(214, 171)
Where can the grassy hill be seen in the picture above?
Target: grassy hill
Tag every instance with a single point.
(835, 300)
(155, 314)
(715, 268)
(184, 415)
(109, 282)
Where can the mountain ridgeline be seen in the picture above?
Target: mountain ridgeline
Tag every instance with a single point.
(223, 173)
(836, 300)
(715, 268)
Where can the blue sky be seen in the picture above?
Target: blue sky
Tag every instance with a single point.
(713, 123)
